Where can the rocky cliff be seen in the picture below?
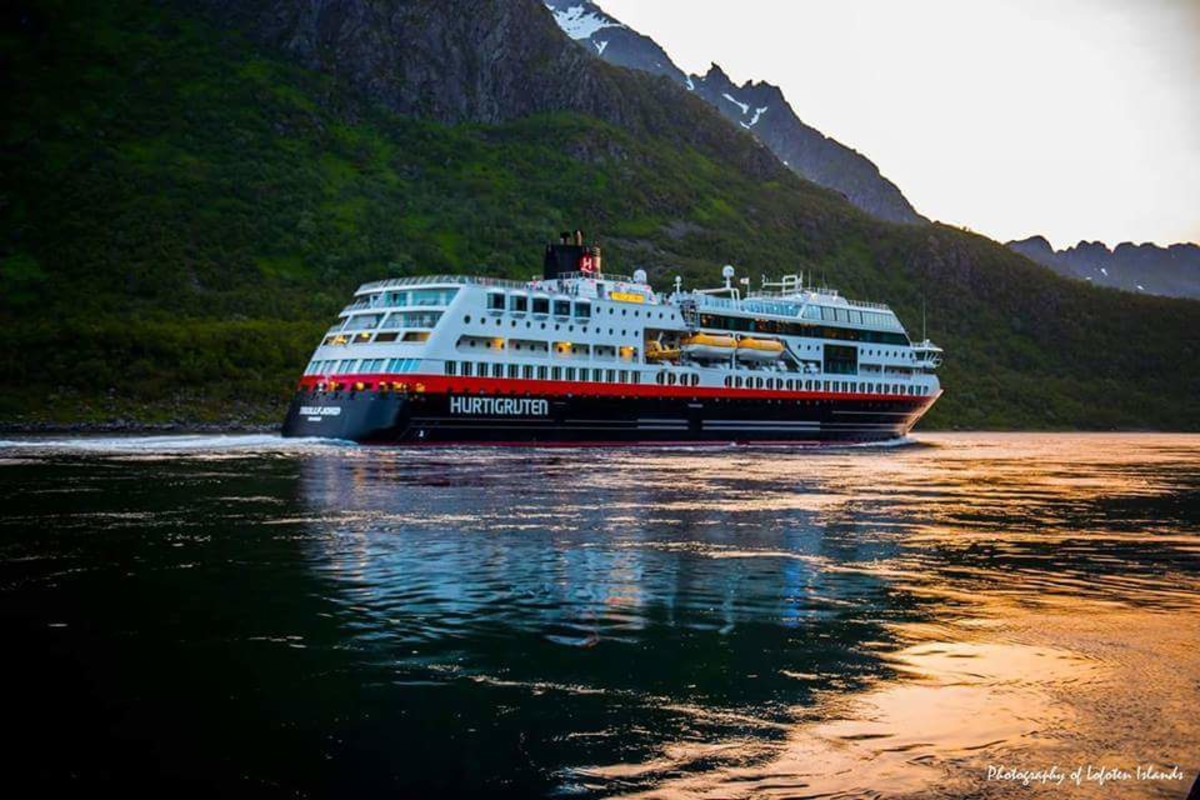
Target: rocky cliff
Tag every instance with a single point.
(759, 108)
(1173, 271)
(487, 61)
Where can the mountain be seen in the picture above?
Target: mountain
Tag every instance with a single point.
(1172, 271)
(467, 61)
(757, 107)
(192, 191)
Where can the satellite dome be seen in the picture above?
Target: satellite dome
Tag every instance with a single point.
(727, 271)
(639, 276)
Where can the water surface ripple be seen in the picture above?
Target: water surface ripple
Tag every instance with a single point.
(247, 614)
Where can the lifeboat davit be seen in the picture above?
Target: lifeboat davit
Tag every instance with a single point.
(759, 349)
(708, 346)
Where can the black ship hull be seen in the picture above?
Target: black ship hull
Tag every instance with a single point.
(525, 413)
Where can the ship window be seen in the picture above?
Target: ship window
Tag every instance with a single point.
(660, 378)
(513, 370)
(623, 376)
(583, 309)
(541, 373)
(570, 373)
(451, 368)
(541, 305)
(728, 381)
(556, 373)
(519, 303)
(612, 376)
(467, 369)
(562, 308)
(527, 372)
(495, 301)
(432, 297)
(738, 381)
(636, 377)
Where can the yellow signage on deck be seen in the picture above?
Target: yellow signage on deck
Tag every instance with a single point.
(626, 297)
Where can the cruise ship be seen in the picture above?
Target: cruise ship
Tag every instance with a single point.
(581, 356)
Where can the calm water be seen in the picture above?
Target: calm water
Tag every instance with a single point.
(244, 614)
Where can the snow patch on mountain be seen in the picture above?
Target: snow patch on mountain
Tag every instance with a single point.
(600, 47)
(745, 107)
(579, 23)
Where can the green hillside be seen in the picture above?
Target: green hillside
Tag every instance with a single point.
(183, 214)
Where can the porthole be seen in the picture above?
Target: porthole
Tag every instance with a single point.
(467, 319)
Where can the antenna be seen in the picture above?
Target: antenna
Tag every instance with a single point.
(727, 272)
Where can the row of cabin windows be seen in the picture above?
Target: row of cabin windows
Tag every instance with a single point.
(605, 351)
(416, 297)
(364, 337)
(570, 328)
(677, 379)
(810, 385)
(782, 328)
(850, 315)
(394, 320)
(521, 304)
(362, 366)
(470, 369)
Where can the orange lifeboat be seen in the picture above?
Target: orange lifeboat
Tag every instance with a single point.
(749, 349)
(708, 346)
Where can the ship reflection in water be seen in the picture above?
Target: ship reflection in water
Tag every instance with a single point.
(884, 622)
(765, 623)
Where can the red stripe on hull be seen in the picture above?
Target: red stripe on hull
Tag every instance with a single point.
(436, 384)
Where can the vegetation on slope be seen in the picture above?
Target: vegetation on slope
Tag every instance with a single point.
(183, 214)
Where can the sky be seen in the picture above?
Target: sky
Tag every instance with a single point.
(1074, 119)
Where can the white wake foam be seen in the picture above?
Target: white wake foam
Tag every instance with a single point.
(167, 443)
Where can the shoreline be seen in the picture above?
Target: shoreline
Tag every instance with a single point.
(134, 428)
(180, 427)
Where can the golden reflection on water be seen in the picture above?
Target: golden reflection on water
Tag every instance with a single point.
(1064, 661)
(1075, 687)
